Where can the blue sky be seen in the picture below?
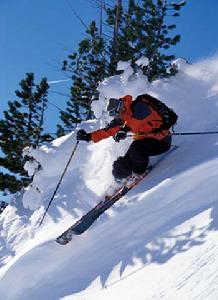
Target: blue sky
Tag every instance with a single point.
(37, 35)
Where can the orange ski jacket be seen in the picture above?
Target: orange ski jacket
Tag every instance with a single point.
(141, 119)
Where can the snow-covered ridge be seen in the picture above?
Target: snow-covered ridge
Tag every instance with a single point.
(168, 223)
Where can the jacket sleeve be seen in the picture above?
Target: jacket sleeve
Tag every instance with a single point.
(104, 133)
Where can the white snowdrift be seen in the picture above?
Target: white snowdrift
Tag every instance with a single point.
(160, 240)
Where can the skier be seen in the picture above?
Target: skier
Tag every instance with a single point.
(148, 119)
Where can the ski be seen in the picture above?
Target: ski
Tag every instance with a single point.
(89, 218)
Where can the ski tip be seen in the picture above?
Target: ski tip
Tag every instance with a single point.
(61, 242)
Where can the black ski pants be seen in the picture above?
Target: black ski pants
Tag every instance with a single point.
(136, 158)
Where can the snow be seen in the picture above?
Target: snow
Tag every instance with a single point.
(142, 61)
(158, 242)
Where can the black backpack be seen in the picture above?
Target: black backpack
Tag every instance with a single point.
(168, 115)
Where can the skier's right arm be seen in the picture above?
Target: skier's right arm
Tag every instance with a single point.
(100, 134)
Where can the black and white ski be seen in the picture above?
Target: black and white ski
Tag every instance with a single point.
(89, 218)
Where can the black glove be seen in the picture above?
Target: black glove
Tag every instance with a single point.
(156, 130)
(82, 135)
(121, 134)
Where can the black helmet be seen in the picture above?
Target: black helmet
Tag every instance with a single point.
(114, 107)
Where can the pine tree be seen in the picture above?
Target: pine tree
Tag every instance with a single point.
(88, 68)
(140, 30)
(144, 30)
(22, 126)
(114, 51)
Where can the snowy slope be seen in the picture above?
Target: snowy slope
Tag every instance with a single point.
(158, 242)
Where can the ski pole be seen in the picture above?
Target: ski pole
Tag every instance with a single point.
(194, 133)
(177, 133)
(62, 176)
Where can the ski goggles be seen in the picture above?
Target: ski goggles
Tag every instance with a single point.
(114, 106)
